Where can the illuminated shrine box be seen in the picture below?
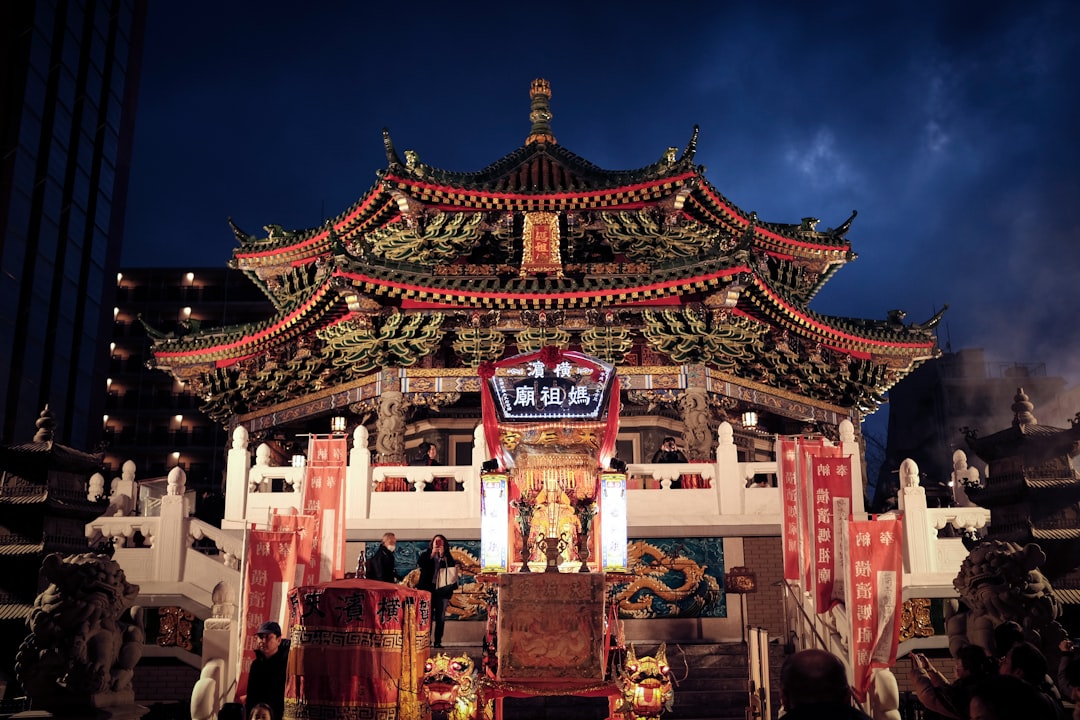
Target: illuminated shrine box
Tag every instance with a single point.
(551, 626)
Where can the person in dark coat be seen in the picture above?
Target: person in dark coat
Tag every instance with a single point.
(436, 557)
(669, 452)
(266, 679)
(426, 454)
(1009, 697)
(380, 566)
(814, 686)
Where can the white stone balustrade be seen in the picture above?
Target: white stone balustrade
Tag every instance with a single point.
(931, 562)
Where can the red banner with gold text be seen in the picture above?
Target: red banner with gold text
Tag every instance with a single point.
(875, 572)
(270, 569)
(788, 461)
(324, 499)
(830, 512)
(808, 449)
(304, 527)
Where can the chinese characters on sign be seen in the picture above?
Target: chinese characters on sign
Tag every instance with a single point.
(534, 391)
(830, 512)
(875, 569)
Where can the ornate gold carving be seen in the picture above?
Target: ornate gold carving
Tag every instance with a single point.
(532, 339)
(644, 236)
(174, 628)
(399, 340)
(474, 345)
(439, 237)
(540, 244)
(697, 336)
(915, 619)
(608, 343)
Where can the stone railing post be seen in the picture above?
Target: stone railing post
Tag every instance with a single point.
(728, 482)
(912, 503)
(479, 455)
(849, 447)
(236, 479)
(358, 477)
(172, 541)
(220, 657)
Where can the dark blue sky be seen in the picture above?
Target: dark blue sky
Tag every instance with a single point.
(952, 127)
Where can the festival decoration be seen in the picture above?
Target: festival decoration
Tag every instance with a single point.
(450, 688)
(646, 685)
(876, 569)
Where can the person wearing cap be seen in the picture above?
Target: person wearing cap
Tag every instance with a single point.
(266, 679)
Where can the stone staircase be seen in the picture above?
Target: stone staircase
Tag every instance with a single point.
(716, 685)
(711, 685)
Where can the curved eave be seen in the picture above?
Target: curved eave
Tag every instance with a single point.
(247, 341)
(545, 168)
(451, 197)
(770, 238)
(412, 292)
(303, 246)
(832, 332)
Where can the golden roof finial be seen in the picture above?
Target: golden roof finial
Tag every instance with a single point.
(540, 116)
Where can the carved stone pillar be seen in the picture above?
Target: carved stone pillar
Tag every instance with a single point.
(697, 418)
(390, 428)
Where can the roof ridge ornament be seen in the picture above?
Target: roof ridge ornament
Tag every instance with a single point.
(540, 115)
(1022, 407)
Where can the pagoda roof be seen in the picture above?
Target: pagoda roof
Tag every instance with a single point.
(425, 252)
(30, 460)
(1025, 437)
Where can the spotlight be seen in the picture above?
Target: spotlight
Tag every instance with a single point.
(617, 465)
(490, 465)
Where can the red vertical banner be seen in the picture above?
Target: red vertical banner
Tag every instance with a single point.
(304, 527)
(324, 499)
(788, 462)
(829, 516)
(270, 568)
(875, 573)
(807, 450)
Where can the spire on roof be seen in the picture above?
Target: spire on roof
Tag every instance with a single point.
(1022, 408)
(45, 426)
(540, 116)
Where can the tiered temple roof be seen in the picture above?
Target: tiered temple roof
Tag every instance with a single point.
(645, 267)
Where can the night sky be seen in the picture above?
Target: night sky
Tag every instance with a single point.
(952, 127)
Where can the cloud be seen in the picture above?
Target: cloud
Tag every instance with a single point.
(821, 162)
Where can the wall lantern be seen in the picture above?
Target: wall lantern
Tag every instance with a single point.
(749, 419)
(337, 424)
(298, 461)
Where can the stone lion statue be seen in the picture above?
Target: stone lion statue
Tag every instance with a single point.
(999, 582)
(79, 653)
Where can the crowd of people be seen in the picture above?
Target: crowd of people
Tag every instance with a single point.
(1014, 682)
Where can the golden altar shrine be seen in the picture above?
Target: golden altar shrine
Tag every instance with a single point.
(553, 520)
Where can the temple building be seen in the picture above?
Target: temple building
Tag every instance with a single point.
(1032, 487)
(388, 320)
(385, 311)
(48, 492)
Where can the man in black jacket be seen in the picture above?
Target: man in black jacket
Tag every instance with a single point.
(266, 679)
(380, 566)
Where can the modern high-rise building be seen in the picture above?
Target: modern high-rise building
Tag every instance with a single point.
(69, 75)
(150, 418)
